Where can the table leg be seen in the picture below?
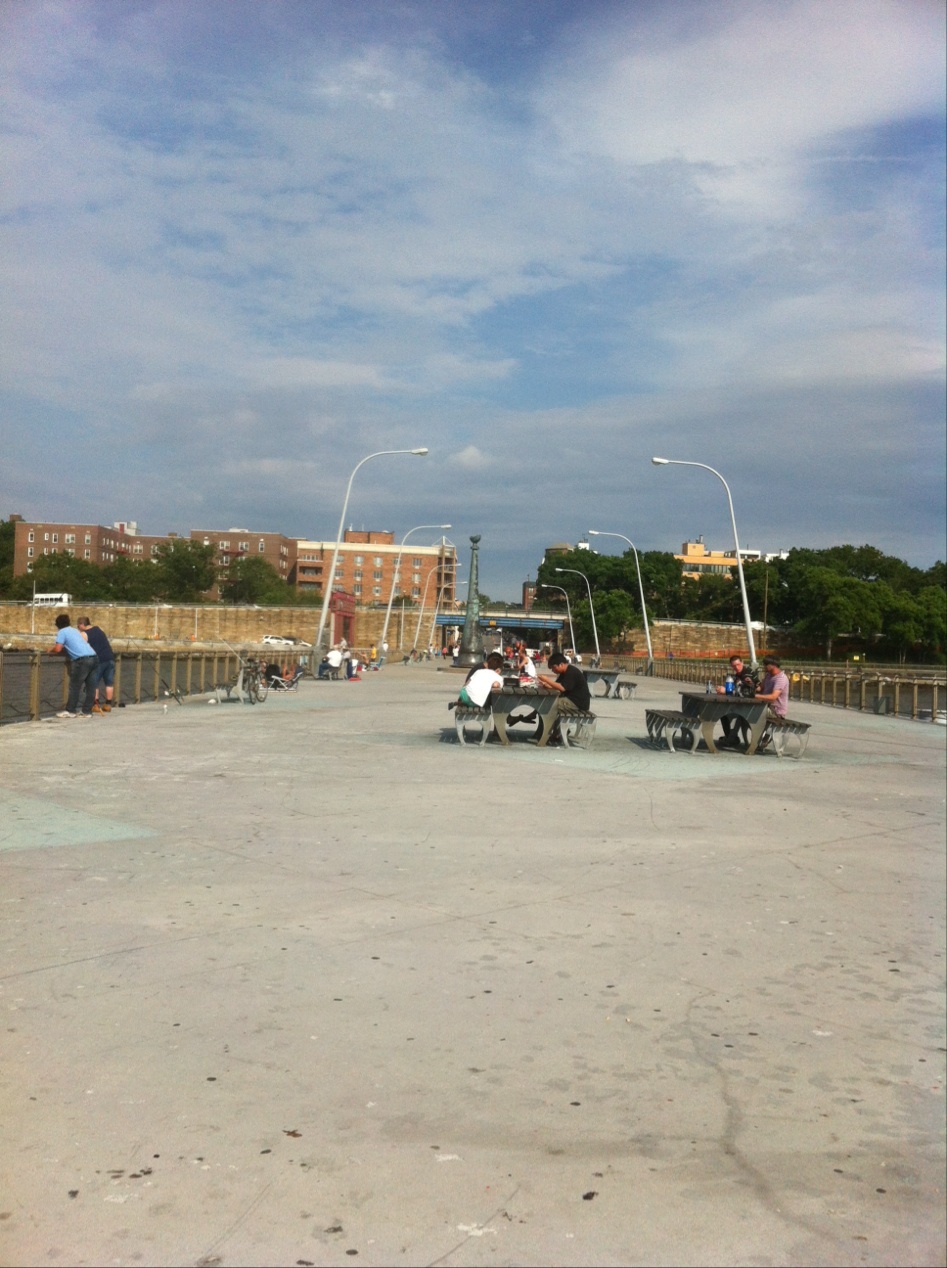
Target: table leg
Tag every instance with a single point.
(499, 724)
(756, 733)
(707, 733)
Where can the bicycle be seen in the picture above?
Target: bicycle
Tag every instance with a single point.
(255, 682)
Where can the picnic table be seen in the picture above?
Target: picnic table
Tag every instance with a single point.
(698, 717)
(577, 729)
(614, 686)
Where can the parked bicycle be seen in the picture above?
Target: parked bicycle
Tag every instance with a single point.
(255, 682)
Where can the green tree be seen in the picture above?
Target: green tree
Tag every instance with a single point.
(836, 604)
(78, 577)
(128, 581)
(253, 580)
(7, 537)
(184, 572)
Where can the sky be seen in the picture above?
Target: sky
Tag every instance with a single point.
(246, 243)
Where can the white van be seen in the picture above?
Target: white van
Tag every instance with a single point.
(52, 601)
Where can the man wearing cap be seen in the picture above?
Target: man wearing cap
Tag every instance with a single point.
(775, 689)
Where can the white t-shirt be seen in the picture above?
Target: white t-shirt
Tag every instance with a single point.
(480, 684)
(334, 657)
(528, 669)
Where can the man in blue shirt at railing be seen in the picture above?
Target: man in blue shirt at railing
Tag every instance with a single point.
(83, 667)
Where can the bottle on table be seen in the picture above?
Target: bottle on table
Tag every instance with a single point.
(728, 685)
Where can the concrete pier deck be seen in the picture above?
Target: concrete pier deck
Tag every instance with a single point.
(308, 983)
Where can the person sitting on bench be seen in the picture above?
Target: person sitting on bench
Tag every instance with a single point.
(572, 683)
(476, 691)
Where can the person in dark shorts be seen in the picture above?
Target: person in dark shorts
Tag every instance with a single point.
(105, 673)
(745, 684)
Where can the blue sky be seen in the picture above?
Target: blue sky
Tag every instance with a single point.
(246, 244)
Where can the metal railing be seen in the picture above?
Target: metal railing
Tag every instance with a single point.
(917, 694)
(35, 685)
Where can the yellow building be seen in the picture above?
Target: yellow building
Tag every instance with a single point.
(697, 561)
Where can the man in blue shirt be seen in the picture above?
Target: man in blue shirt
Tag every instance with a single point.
(83, 665)
(105, 674)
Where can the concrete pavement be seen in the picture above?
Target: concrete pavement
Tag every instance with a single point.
(309, 983)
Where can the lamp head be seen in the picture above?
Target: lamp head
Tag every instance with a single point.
(660, 462)
(593, 532)
(419, 452)
(560, 570)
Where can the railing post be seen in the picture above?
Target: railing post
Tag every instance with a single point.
(36, 661)
(139, 664)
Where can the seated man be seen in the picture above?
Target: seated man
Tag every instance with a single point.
(476, 691)
(775, 689)
(573, 685)
(744, 684)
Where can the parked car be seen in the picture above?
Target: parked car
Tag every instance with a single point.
(276, 640)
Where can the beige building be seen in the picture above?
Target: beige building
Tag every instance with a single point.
(366, 568)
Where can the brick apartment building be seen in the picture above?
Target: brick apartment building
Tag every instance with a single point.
(366, 568)
(239, 543)
(95, 543)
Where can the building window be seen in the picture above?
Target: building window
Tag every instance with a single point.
(358, 574)
(244, 545)
(262, 546)
(137, 549)
(225, 559)
(69, 538)
(31, 537)
(377, 561)
(376, 575)
(154, 551)
(359, 559)
(55, 537)
(224, 545)
(29, 552)
(416, 562)
(415, 592)
(88, 539)
(357, 589)
(87, 554)
(69, 551)
(46, 538)
(376, 591)
(415, 576)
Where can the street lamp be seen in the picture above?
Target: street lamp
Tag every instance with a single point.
(327, 583)
(644, 611)
(598, 653)
(675, 462)
(397, 577)
(432, 573)
(544, 586)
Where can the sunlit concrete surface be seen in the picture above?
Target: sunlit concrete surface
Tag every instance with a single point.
(310, 983)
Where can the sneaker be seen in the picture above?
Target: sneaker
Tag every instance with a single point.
(84, 715)
(64, 713)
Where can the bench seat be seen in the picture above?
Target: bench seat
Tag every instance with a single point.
(464, 714)
(788, 737)
(668, 726)
(577, 729)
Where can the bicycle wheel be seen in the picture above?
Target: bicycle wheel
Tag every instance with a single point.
(262, 687)
(253, 686)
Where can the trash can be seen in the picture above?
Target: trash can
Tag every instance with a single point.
(884, 704)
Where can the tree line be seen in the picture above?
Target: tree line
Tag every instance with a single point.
(819, 596)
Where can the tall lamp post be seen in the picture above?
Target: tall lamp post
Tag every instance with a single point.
(675, 462)
(598, 652)
(439, 589)
(327, 583)
(644, 611)
(543, 586)
(397, 577)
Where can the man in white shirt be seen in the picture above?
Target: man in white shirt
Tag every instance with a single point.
(476, 691)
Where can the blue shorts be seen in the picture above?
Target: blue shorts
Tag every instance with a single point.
(105, 673)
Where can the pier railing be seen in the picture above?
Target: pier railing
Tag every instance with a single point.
(34, 684)
(921, 695)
